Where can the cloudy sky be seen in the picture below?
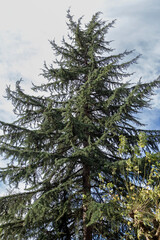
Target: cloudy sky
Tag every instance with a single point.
(27, 25)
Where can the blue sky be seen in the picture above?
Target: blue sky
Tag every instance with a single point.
(26, 27)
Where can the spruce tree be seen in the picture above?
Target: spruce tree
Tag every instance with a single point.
(68, 134)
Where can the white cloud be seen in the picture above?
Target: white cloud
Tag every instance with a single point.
(25, 28)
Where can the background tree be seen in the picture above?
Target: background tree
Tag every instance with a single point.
(62, 140)
(137, 203)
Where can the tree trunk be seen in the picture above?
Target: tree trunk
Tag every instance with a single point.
(87, 231)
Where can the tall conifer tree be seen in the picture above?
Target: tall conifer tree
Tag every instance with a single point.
(61, 141)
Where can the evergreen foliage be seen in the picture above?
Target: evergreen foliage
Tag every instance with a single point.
(61, 141)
